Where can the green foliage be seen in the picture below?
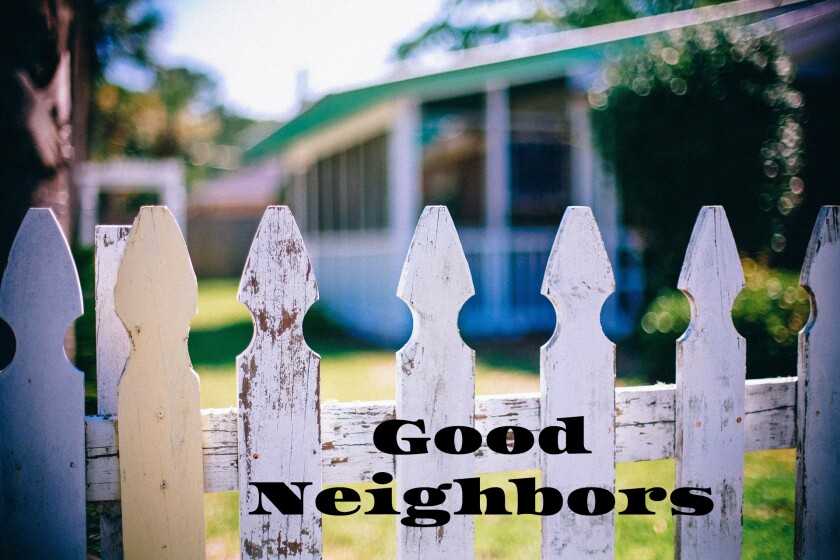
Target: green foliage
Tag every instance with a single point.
(768, 313)
(122, 31)
(702, 115)
(178, 115)
(179, 87)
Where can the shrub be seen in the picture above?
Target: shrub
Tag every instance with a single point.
(768, 313)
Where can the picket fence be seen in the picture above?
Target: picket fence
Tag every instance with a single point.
(151, 453)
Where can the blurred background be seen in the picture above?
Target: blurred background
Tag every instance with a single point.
(356, 115)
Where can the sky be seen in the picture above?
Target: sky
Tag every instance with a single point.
(256, 49)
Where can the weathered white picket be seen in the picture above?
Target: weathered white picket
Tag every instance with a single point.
(435, 379)
(577, 378)
(711, 370)
(281, 432)
(112, 349)
(818, 403)
(278, 378)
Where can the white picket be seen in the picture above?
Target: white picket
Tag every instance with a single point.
(278, 379)
(577, 378)
(818, 413)
(435, 381)
(711, 371)
(112, 342)
(112, 348)
(161, 474)
(42, 406)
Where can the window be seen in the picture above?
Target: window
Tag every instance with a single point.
(453, 157)
(539, 153)
(347, 191)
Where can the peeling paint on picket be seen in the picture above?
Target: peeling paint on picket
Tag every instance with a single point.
(818, 442)
(435, 380)
(710, 409)
(279, 424)
(577, 378)
(161, 474)
(42, 404)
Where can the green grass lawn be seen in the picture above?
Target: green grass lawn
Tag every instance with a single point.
(353, 371)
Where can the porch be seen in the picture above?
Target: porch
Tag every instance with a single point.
(361, 271)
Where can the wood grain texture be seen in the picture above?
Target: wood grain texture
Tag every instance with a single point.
(644, 431)
(162, 484)
(435, 380)
(818, 442)
(577, 378)
(42, 406)
(278, 379)
(710, 409)
(112, 348)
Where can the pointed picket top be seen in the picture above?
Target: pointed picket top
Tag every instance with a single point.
(42, 468)
(159, 430)
(278, 246)
(578, 267)
(711, 276)
(278, 380)
(820, 269)
(42, 283)
(818, 395)
(577, 378)
(435, 280)
(156, 265)
(709, 400)
(435, 379)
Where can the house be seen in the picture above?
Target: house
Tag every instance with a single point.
(500, 134)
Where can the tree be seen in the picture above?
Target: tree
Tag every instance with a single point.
(463, 24)
(178, 116)
(702, 115)
(709, 115)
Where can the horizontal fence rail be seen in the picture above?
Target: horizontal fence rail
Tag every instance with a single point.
(644, 431)
(151, 453)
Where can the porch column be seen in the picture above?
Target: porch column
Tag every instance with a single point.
(404, 174)
(582, 153)
(298, 199)
(405, 196)
(174, 196)
(497, 168)
(593, 185)
(495, 269)
(89, 212)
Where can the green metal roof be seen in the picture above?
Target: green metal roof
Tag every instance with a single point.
(334, 107)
